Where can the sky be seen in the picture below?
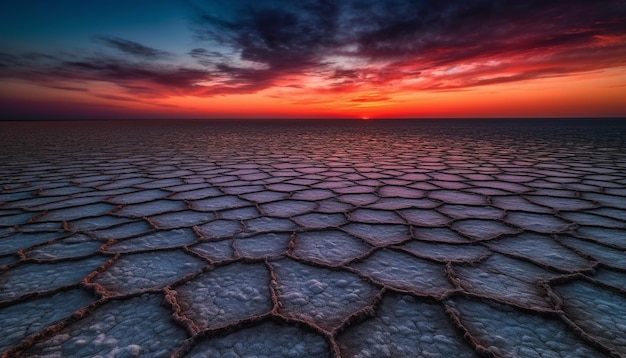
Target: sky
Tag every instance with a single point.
(76, 59)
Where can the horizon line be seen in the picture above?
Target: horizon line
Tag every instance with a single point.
(370, 119)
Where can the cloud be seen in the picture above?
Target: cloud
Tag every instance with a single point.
(279, 34)
(139, 79)
(351, 46)
(265, 41)
(138, 70)
(66, 88)
(132, 99)
(205, 57)
(126, 72)
(370, 98)
(132, 48)
(407, 45)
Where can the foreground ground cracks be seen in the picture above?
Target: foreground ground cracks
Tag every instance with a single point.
(280, 246)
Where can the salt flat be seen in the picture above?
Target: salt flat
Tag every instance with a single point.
(313, 239)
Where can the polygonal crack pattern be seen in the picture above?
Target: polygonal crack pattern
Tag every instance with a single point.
(265, 340)
(320, 295)
(27, 317)
(144, 271)
(598, 311)
(510, 332)
(361, 241)
(118, 329)
(225, 295)
(405, 327)
(403, 271)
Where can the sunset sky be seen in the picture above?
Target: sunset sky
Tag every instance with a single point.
(312, 59)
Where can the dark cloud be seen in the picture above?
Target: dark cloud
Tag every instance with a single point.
(143, 79)
(343, 74)
(116, 97)
(410, 37)
(129, 72)
(268, 39)
(367, 99)
(132, 99)
(444, 32)
(8, 60)
(54, 109)
(206, 57)
(11, 60)
(168, 77)
(246, 46)
(283, 34)
(132, 48)
(66, 88)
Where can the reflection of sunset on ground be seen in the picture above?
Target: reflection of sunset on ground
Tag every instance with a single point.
(312, 59)
(313, 178)
(313, 238)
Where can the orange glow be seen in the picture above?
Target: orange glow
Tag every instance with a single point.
(256, 59)
(591, 94)
(599, 93)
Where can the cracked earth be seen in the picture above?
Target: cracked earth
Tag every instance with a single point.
(344, 240)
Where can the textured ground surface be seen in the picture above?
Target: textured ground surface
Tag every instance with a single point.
(353, 240)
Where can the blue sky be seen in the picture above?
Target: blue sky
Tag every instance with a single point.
(68, 25)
